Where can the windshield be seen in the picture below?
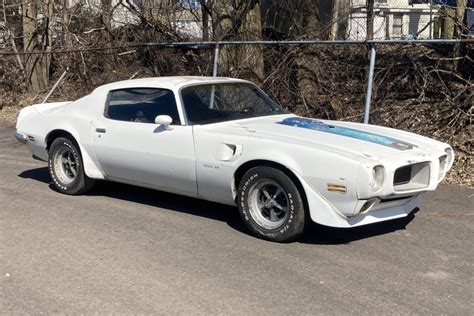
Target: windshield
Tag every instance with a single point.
(211, 103)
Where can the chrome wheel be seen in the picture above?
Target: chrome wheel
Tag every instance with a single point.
(268, 204)
(65, 165)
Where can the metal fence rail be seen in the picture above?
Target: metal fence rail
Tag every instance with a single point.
(371, 43)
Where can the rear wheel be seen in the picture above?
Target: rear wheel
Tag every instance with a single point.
(271, 205)
(67, 169)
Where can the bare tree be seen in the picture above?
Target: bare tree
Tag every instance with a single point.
(37, 40)
(370, 20)
(447, 15)
(460, 29)
(205, 19)
(239, 20)
(461, 6)
(9, 37)
(307, 65)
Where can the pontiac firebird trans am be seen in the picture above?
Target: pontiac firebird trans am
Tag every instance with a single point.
(225, 140)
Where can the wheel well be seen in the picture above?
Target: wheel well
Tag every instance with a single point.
(58, 133)
(240, 172)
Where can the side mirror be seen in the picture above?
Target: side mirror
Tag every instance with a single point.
(164, 120)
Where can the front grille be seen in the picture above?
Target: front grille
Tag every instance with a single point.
(402, 175)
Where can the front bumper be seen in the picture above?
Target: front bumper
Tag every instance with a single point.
(385, 211)
(323, 212)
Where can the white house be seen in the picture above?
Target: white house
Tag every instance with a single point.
(393, 19)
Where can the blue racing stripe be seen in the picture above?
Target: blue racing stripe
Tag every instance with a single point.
(348, 132)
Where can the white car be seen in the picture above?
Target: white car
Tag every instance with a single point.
(224, 140)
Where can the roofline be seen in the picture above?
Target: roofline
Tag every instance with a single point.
(157, 82)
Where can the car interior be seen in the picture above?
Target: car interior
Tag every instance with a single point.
(136, 106)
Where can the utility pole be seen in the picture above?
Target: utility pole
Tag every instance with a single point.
(370, 20)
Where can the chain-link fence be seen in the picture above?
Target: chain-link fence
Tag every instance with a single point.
(313, 59)
(410, 19)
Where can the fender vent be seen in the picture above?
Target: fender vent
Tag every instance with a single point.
(402, 175)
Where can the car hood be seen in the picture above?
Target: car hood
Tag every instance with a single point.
(351, 139)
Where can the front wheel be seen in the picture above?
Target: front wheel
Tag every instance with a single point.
(67, 169)
(271, 205)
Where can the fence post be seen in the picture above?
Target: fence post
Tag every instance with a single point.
(55, 86)
(370, 81)
(216, 60)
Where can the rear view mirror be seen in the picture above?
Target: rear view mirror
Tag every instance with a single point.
(164, 120)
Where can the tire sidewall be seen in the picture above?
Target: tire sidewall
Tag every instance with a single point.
(78, 183)
(293, 225)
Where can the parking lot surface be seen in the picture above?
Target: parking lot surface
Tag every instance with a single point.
(124, 249)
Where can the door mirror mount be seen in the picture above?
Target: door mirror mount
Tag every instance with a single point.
(164, 120)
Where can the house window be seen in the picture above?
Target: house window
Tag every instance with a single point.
(397, 26)
(190, 4)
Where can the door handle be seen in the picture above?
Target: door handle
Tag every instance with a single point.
(100, 130)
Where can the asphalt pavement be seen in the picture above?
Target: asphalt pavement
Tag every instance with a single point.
(124, 249)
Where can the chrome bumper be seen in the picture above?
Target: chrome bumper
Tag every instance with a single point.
(22, 138)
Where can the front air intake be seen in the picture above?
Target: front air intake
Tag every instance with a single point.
(412, 177)
(402, 175)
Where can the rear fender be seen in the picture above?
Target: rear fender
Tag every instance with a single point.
(37, 109)
(91, 165)
(24, 113)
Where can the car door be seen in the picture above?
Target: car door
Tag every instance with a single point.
(130, 147)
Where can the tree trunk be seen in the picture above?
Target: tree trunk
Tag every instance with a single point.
(252, 55)
(38, 45)
(222, 19)
(343, 19)
(447, 22)
(460, 29)
(66, 19)
(239, 20)
(307, 64)
(370, 20)
(334, 19)
(461, 6)
(205, 20)
(106, 6)
(9, 36)
(311, 20)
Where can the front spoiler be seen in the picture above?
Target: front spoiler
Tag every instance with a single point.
(325, 213)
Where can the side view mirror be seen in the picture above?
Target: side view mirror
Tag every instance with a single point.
(164, 120)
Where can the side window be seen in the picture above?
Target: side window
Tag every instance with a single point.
(141, 105)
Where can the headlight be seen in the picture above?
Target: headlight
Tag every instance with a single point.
(378, 175)
(442, 166)
(449, 162)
